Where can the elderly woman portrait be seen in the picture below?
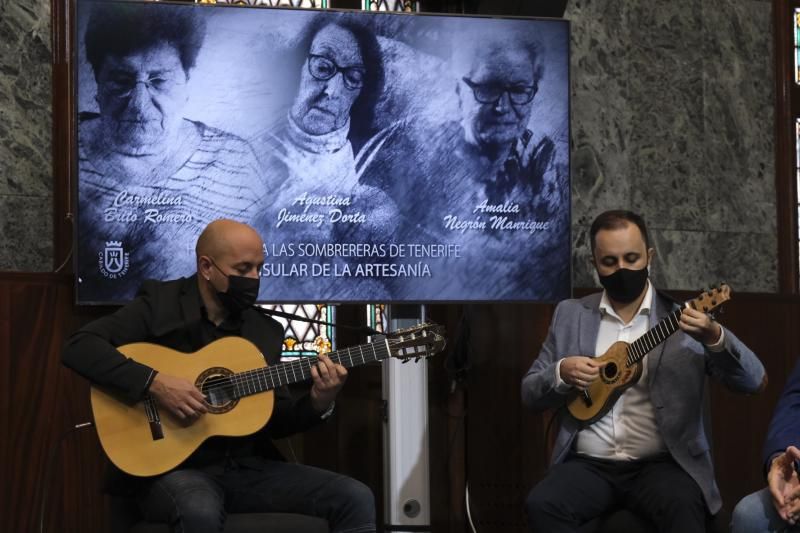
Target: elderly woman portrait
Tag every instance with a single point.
(149, 176)
(312, 155)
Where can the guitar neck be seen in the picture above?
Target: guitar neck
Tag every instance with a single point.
(658, 334)
(271, 377)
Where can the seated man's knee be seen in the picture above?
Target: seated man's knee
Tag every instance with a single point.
(358, 493)
(355, 502)
(187, 498)
(538, 502)
(754, 512)
(198, 510)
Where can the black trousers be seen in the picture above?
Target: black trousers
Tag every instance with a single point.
(198, 500)
(582, 488)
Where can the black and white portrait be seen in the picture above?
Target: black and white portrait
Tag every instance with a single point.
(382, 157)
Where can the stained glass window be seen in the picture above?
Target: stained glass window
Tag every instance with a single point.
(797, 45)
(390, 5)
(304, 339)
(378, 317)
(270, 3)
(797, 170)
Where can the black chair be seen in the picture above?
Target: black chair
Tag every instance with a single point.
(125, 518)
(626, 521)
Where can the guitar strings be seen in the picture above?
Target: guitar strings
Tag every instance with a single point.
(252, 379)
(276, 370)
(258, 380)
(644, 344)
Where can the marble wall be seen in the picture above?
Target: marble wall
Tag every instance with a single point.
(672, 116)
(26, 174)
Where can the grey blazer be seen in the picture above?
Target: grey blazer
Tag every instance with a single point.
(677, 371)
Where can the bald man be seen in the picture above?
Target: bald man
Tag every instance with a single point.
(225, 474)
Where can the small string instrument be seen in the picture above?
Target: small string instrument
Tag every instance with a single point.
(623, 361)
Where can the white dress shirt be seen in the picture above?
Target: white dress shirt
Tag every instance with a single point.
(629, 430)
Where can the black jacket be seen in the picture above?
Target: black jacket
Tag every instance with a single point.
(170, 314)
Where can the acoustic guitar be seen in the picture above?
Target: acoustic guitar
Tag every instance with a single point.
(232, 374)
(623, 361)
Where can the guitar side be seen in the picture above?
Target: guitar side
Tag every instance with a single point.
(124, 429)
(615, 377)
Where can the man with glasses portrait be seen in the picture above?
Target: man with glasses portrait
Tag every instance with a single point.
(480, 158)
(503, 167)
(497, 85)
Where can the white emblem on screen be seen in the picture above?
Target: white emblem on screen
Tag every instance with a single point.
(113, 260)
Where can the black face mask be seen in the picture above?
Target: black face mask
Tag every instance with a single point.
(241, 294)
(625, 285)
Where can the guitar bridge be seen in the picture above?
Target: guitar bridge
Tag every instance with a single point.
(154, 420)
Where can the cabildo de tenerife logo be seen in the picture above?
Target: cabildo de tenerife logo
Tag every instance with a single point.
(113, 260)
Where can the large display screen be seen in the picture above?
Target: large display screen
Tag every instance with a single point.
(382, 157)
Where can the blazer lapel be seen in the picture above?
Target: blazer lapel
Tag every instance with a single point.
(662, 308)
(589, 325)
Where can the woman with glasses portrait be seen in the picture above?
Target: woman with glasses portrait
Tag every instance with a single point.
(311, 155)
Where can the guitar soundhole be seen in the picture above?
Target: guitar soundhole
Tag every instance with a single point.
(610, 372)
(219, 390)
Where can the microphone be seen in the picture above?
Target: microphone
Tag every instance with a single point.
(366, 330)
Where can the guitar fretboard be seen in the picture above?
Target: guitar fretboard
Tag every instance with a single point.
(271, 377)
(658, 334)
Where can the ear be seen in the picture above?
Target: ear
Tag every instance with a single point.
(204, 267)
(651, 253)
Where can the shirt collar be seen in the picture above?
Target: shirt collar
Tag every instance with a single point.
(644, 308)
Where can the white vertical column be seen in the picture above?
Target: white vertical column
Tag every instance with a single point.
(406, 447)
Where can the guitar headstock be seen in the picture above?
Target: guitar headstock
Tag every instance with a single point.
(712, 298)
(416, 342)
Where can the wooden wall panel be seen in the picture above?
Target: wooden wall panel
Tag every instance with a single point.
(480, 433)
(43, 401)
(506, 446)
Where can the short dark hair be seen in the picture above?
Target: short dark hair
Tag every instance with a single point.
(364, 105)
(463, 54)
(120, 30)
(617, 219)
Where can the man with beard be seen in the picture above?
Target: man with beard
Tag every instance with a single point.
(650, 452)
